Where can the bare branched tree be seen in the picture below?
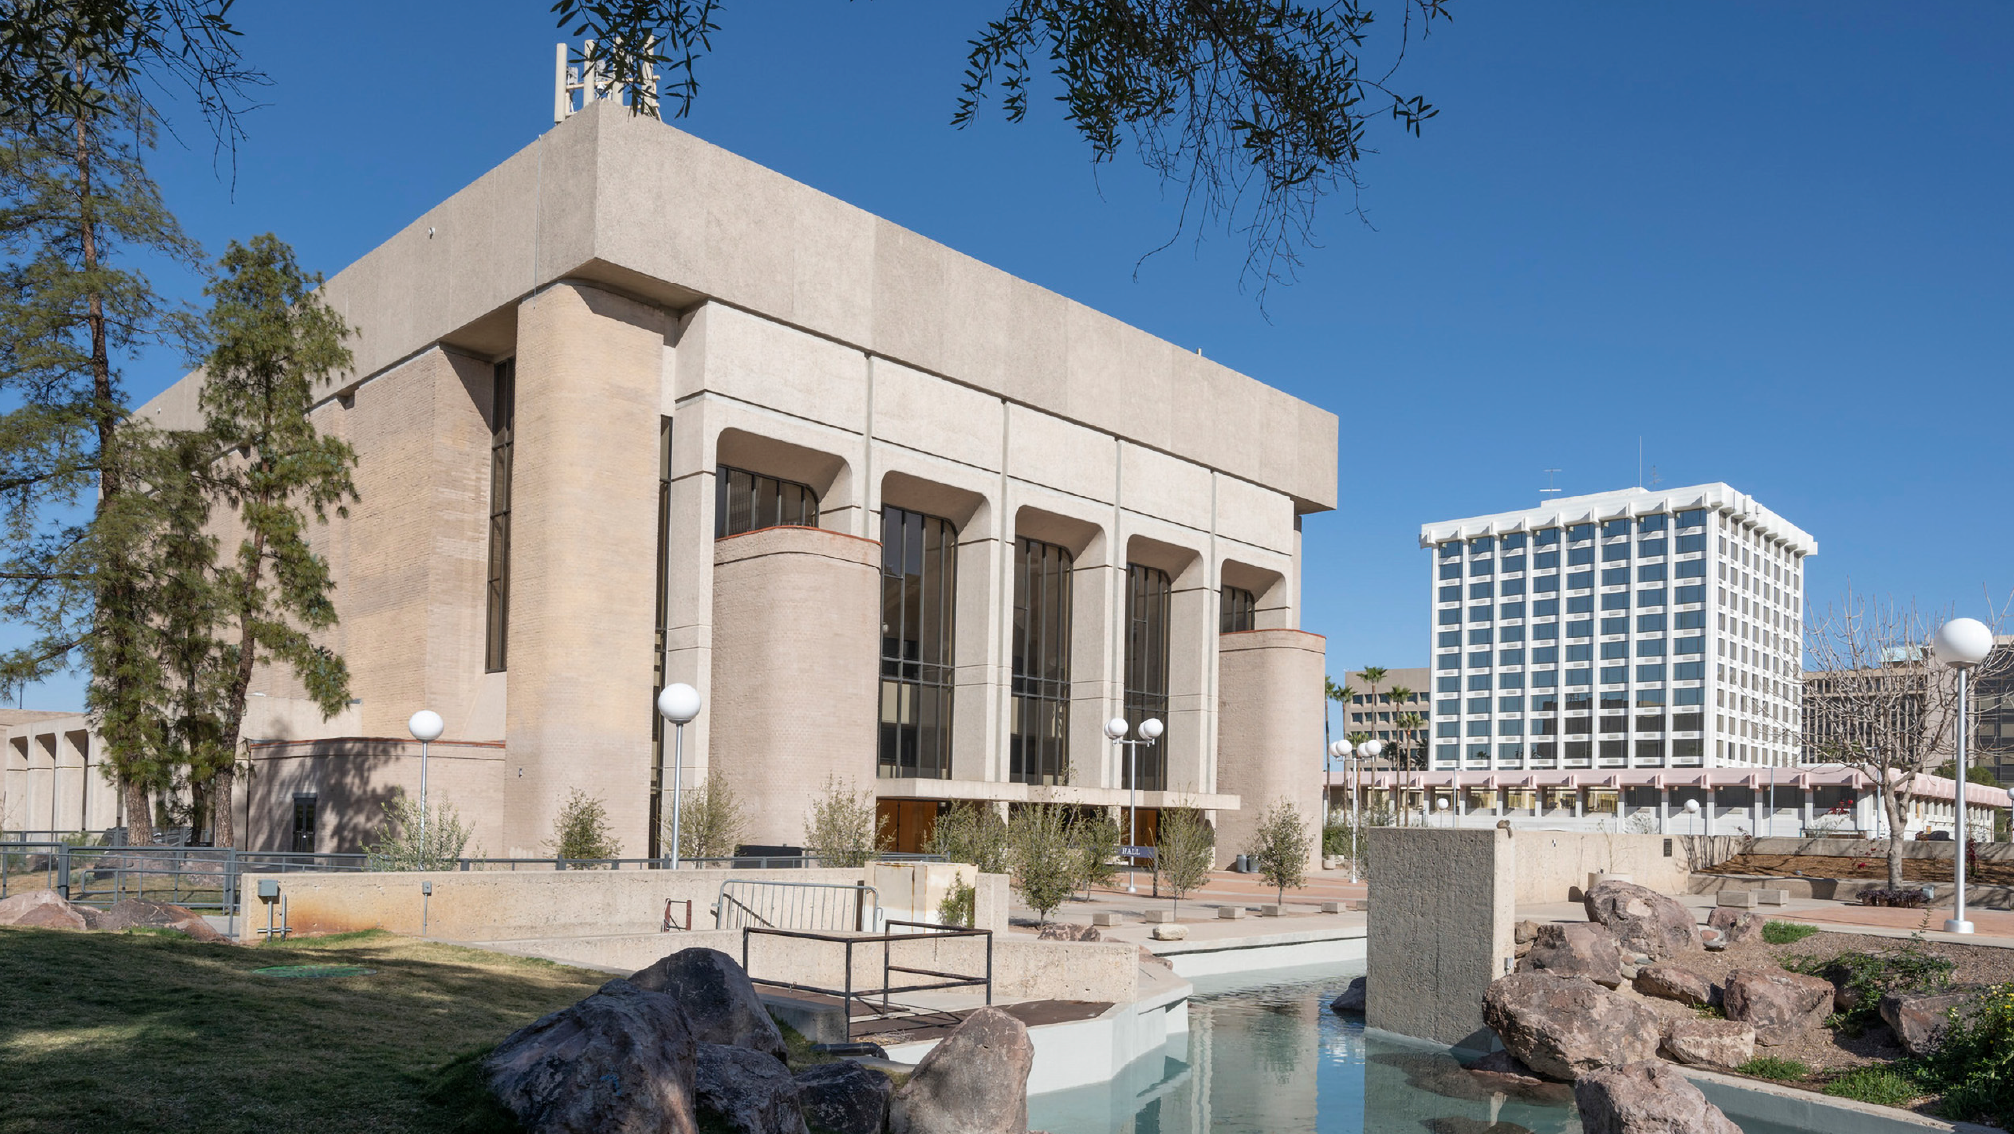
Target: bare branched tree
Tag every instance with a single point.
(1254, 110)
(1877, 700)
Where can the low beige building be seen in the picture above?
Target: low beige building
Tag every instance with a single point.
(632, 410)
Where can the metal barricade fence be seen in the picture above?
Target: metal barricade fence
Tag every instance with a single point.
(827, 906)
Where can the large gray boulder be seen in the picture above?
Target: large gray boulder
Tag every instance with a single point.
(1667, 981)
(45, 909)
(719, 1001)
(1918, 1019)
(1642, 919)
(1780, 1005)
(844, 1098)
(745, 1092)
(975, 1081)
(1564, 1027)
(1737, 927)
(135, 913)
(1582, 949)
(1709, 1043)
(1350, 1001)
(619, 1062)
(1651, 1097)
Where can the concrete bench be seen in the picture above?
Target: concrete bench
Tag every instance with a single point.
(1739, 899)
(1106, 917)
(1230, 913)
(1271, 910)
(1772, 897)
(1157, 917)
(1332, 907)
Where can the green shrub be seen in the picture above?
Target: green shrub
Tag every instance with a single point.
(1786, 932)
(1912, 968)
(958, 905)
(582, 829)
(1885, 1086)
(1974, 1063)
(1770, 1067)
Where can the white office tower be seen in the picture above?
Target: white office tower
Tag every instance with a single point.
(1647, 628)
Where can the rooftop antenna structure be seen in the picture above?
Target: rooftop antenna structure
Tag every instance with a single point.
(1549, 489)
(588, 78)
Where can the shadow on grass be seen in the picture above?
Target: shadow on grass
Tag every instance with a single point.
(155, 1033)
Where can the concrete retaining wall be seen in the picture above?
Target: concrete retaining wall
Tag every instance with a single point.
(544, 904)
(1878, 848)
(1552, 866)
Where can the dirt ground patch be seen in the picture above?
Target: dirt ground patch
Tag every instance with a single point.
(1986, 873)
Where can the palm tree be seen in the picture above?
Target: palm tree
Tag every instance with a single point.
(1397, 695)
(1409, 726)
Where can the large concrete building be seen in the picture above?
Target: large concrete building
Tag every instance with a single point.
(632, 410)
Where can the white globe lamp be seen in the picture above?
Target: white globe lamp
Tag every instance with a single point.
(426, 727)
(1962, 644)
(679, 703)
(1116, 728)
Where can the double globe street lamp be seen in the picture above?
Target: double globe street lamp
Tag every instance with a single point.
(1343, 750)
(1150, 731)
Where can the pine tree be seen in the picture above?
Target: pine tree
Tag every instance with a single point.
(276, 342)
(76, 208)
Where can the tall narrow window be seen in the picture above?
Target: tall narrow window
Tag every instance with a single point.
(503, 423)
(657, 847)
(747, 502)
(1147, 593)
(1239, 610)
(303, 841)
(1039, 747)
(919, 583)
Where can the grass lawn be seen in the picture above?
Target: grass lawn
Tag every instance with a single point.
(153, 1032)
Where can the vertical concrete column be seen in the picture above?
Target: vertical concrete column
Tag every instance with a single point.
(583, 562)
(1439, 930)
(1192, 642)
(1094, 672)
(1269, 721)
(983, 612)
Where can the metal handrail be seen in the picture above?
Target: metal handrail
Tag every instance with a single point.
(887, 939)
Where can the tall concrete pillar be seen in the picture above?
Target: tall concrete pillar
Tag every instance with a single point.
(583, 562)
(796, 646)
(1442, 933)
(1270, 731)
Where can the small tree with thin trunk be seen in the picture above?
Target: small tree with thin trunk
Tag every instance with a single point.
(840, 828)
(1184, 848)
(396, 844)
(711, 820)
(581, 830)
(974, 833)
(1046, 865)
(1097, 840)
(1280, 846)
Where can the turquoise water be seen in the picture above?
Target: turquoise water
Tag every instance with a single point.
(1272, 1058)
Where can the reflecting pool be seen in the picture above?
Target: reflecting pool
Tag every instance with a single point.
(1272, 1058)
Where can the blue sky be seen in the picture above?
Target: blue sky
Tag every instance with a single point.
(1770, 241)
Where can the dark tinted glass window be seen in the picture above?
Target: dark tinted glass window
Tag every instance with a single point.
(1146, 694)
(1039, 746)
(747, 502)
(919, 585)
(1545, 537)
(1240, 611)
(503, 429)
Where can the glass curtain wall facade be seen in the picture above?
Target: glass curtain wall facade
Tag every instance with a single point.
(919, 585)
(747, 502)
(1148, 591)
(503, 425)
(1039, 741)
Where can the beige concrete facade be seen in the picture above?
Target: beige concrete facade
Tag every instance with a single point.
(638, 275)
